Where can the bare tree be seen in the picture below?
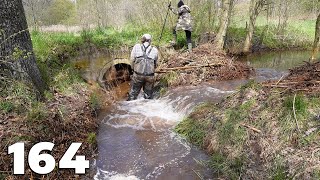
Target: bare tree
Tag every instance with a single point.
(15, 44)
(283, 15)
(227, 6)
(255, 8)
(316, 43)
(36, 10)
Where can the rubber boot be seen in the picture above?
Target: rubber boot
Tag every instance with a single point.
(190, 47)
(174, 40)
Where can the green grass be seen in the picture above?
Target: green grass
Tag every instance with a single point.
(298, 34)
(169, 78)
(279, 172)
(223, 166)
(65, 78)
(229, 131)
(109, 38)
(300, 104)
(95, 102)
(198, 126)
(38, 112)
(6, 106)
(92, 138)
(57, 46)
(193, 130)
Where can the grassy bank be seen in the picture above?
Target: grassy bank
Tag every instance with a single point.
(255, 134)
(101, 38)
(298, 34)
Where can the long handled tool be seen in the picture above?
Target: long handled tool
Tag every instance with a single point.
(164, 24)
(165, 21)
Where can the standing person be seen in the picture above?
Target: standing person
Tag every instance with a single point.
(184, 23)
(144, 62)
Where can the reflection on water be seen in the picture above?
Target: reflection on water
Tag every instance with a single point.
(280, 61)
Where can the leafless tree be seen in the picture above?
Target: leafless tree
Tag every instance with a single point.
(316, 43)
(227, 6)
(255, 8)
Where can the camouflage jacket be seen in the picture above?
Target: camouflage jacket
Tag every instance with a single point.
(185, 18)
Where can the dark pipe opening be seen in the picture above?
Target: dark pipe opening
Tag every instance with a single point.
(117, 74)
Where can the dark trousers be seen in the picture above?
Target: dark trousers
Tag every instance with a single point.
(141, 81)
(188, 35)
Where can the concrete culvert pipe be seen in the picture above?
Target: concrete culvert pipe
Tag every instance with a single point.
(113, 75)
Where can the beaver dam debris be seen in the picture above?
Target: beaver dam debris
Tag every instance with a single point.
(305, 78)
(204, 63)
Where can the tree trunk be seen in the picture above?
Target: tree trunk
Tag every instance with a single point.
(15, 43)
(316, 43)
(209, 3)
(255, 8)
(224, 23)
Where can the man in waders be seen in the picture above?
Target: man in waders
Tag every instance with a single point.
(184, 23)
(143, 61)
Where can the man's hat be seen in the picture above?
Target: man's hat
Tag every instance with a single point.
(147, 36)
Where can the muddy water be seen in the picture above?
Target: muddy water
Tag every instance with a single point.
(136, 139)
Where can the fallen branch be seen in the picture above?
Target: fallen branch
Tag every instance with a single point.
(294, 112)
(189, 67)
(274, 85)
(250, 127)
(280, 79)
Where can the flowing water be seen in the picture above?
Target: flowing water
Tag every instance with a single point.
(136, 139)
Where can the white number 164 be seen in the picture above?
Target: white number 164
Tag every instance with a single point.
(80, 164)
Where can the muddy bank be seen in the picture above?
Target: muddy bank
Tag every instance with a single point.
(203, 64)
(261, 133)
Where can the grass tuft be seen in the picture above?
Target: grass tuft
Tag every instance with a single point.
(6, 106)
(92, 138)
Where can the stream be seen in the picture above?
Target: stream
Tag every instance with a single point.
(136, 139)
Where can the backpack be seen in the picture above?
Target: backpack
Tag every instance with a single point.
(144, 65)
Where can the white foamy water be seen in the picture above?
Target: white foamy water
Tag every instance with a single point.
(113, 176)
(136, 140)
(144, 114)
(152, 108)
(159, 114)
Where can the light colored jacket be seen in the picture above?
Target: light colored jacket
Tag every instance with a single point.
(137, 56)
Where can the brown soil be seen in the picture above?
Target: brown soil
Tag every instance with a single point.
(204, 63)
(305, 78)
(67, 119)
